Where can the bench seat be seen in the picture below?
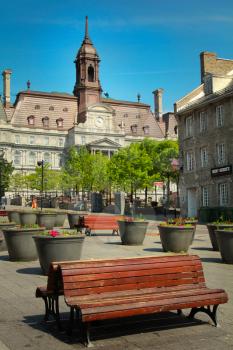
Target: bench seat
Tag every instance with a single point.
(116, 288)
(98, 222)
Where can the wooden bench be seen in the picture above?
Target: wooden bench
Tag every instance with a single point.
(116, 288)
(97, 223)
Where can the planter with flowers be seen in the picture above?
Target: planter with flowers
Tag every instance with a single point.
(28, 217)
(46, 219)
(132, 230)
(225, 243)
(19, 242)
(217, 225)
(59, 245)
(176, 236)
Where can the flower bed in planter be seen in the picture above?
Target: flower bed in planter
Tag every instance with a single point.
(20, 244)
(225, 244)
(132, 231)
(176, 238)
(60, 245)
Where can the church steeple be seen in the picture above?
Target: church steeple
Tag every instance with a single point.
(87, 87)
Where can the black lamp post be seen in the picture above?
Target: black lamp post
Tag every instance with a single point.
(2, 162)
(41, 163)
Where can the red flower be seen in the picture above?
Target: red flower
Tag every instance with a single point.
(53, 233)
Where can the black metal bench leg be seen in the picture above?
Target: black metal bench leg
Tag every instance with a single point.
(179, 312)
(207, 310)
(57, 313)
(71, 322)
(86, 334)
(46, 316)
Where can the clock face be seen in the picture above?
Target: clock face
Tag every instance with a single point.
(99, 121)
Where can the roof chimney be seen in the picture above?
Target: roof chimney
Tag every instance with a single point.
(158, 103)
(7, 87)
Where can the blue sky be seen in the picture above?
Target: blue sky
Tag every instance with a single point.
(143, 45)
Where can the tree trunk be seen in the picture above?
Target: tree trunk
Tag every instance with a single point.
(146, 196)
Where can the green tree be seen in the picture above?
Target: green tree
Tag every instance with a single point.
(6, 170)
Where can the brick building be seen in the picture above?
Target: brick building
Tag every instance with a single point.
(205, 124)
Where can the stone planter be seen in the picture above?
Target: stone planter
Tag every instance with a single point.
(46, 220)
(28, 218)
(3, 226)
(73, 219)
(20, 244)
(14, 216)
(211, 229)
(176, 239)
(225, 244)
(58, 249)
(60, 219)
(132, 232)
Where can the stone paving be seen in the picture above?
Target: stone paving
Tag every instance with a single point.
(21, 314)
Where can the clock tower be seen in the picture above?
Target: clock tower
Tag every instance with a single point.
(87, 86)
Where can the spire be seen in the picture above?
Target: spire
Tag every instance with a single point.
(86, 40)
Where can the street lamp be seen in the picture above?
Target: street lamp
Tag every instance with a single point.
(2, 163)
(41, 163)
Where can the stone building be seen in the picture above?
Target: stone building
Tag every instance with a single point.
(41, 125)
(205, 124)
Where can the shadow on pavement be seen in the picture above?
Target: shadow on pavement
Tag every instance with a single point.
(153, 250)
(212, 260)
(4, 257)
(30, 271)
(203, 248)
(114, 328)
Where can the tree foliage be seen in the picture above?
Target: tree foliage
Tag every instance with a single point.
(6, 170)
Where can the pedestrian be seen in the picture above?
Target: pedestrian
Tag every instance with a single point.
(34, 203)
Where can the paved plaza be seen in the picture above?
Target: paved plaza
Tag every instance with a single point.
(21, 314)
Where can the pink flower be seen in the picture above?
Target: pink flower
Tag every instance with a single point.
(53, 233)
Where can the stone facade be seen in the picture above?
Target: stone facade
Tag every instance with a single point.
(41, 125)
(205, 124)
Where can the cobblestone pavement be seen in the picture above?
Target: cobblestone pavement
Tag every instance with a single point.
(21, 314)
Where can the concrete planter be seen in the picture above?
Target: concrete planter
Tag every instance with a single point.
(28, 218)
(20, 244)
(211, 229)
(60, 219)
(4, 226)
(225, 244)
(176, 239)
(14, 216)
(132, 232)
(46, 220)
(73, 219)
(58, 249)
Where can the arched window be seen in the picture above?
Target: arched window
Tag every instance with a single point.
(37, 106)
(47, 157)
(146, 129)
(17, 158)
(134, 128)
(59, 122)
(91, 73)
(45, 122)
(32, 158)
(31, 120)
(65, 109)
(51, 108)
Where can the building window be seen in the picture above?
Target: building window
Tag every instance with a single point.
(219, 116)
(31, 120)
(17, 158)
(51, 108)
(37, 106)
(32, 158)
(60, 142)
(204, 157)
(31, 140)
(176, 130)
(83, 140)
(47, 157)
(126, 115)
(189, 126)
(138, 116)
(60, 162)
(205, 197)
(65, 109)
(203, 121)
(45, 122)
(223, 194)
(221, 153)
(134, 128)
(59, 123)
(146, 129)
(190, 161)
(90, 73)
(17, 139)
(46, 140)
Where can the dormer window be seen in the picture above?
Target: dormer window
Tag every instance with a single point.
(146, 129)
(134, 128)
(37, 106)
(125, 115)
(59, 123)
(45, 122)
(31, 120)
(138, 116)
(90, 73)
(65, 109)
(51, 108)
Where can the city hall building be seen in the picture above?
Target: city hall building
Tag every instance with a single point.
(42, 126)
(205, 124)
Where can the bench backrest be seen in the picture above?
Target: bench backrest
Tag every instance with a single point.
(99, 276)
